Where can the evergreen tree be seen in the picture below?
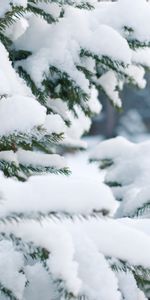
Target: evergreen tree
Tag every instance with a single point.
(55, 55)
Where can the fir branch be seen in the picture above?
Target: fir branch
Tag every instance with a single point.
(136, 44)
(38, 138)
(39, 94)
(84, 5)
(60, 85)
(88, 74)
(40, 12)
(16, 55)
(52, 215)
(28, 249)
(144, 210)
(29, 170)
(39, 1)
(65, 294)
(113, 184)
(10, 17)
(104, 163)
(7, 292)
(106, 62)
(36, 253)
(141, 274)
(11, 169)
(5, 41)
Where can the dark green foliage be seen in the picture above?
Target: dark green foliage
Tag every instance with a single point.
(141, 275)
(8, 19)
(8, 293)
(40, 95)
(6, 41)
(16, 55)
(38, 11)
(105, 62)
(64, 87)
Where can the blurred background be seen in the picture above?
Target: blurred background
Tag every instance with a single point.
(132, 122)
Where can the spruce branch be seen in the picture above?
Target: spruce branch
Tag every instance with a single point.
(11, 16)
(7, 292)
(40, 12)
(105, 62)
(52, 215)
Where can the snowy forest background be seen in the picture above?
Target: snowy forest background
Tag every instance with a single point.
(74, 150)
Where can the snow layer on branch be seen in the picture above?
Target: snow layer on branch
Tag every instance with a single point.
(130, 169)
(54, 124)
(93, 102)
(60, 107)
(142, 56)
(82, 123)
(11, 263)
(38, 159)
(109, 84)
(61, 44)
(136, 75)
(69, 256)
(19, 2)
(95, 279)
(20, 114)
(8, 156)
(78, 127)
(134, 15)
(75, 196)
(109, 149)
(56, 48)
(39, 286)
(6, 5)
(53, 9)
(128, 286)
(10, 83)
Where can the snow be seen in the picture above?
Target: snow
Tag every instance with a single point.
(8, 156)
(78, 127)
(142, 56)
(135, 15)
(19, 2)
(136, 74)
(75, 244)
(69, 37)
(38, 159)
(94, 279)
(58, 107)
(129, 287)
(130, 168)
(40, 285)
(53, 9)
(109, 83)
(73, 228)
(5, 6)
(93, 102)
(43, 195)
(54, 124)
(10, 83)
(40, 193)
(63, 240)
(13, 261)
(23, 113)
